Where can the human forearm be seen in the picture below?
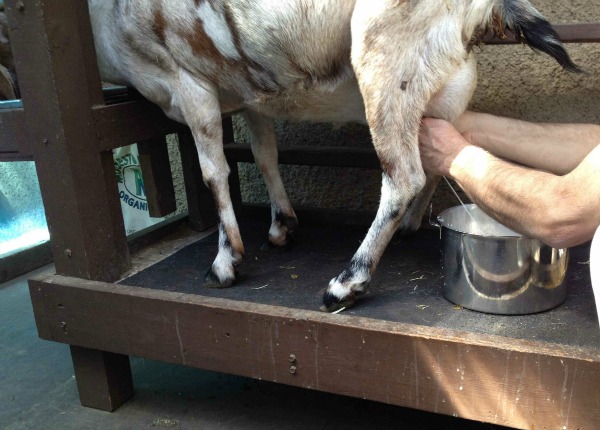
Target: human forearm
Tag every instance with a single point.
(556, 148)
(535, 203)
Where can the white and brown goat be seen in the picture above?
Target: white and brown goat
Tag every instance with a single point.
(386, 63)
(8, 78)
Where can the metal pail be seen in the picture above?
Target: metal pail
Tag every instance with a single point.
(490, 268)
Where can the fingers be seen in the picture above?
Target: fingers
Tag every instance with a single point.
(439, 143)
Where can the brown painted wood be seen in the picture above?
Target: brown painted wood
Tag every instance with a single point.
(311, 156)
(130, 122)
(13, 136)
(158, 179)
(234, 176)
(53, 60)
(567, 33)
(24, 261)
(511, 382)
(103, 378)
(202, 213)
(15, 156)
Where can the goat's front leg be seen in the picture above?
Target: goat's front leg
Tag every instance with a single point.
(264, 148)
(199, 105)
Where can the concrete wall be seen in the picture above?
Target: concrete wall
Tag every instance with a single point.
(514, 81)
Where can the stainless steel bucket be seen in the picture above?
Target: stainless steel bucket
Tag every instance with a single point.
(490, 268)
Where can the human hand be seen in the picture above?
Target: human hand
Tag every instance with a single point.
(439, 144)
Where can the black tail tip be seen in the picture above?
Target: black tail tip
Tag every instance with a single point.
(539, 34)
(530, 27)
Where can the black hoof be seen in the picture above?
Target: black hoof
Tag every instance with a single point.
(406, 232)
(271, 247)
(212, 281)
(331, 303)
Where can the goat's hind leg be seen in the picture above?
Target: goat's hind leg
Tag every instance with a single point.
(396, 84)
(264, 148)
(414, 214)
(448, 103)
(199, 105)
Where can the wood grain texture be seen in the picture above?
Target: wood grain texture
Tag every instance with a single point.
(103, 378)
(511, 382)
(158, 179)
(59, 84)
(567, 33)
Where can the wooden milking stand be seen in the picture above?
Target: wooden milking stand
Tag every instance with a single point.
(394, 347)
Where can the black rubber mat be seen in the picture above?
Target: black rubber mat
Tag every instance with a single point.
(406, 287)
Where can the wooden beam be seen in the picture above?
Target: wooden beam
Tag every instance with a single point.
(311, 156)
(202, 213)
(13, 133)
(131, 122)
(158, 179)
(567, 33)
(59, 82)
(482, 377)
(103, 378)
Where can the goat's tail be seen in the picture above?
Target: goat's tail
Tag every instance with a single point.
(529, 26)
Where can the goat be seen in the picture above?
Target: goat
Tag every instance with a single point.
(386, 63)
(8, 78)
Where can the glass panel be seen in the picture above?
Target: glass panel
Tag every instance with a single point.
(22, 219)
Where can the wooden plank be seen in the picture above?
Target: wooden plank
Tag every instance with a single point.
(13, 133)
(235, 191)
(131, 122)
(103, 378)
(311, 156)
(567, 33)
(511, 382)
(24, 261)
(158, 179)
(78, 184)
(202, 213)
(15, 156)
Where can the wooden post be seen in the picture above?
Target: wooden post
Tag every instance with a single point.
(202, 213)
(235, 190)
(103, 379)
(158, 180)
(59, 80)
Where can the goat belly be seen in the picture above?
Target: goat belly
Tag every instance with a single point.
(289, 60)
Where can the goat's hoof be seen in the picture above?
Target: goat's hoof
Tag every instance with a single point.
(269, 246)
(406, 232)
(211, 280)
(332, 303)
(408, 227)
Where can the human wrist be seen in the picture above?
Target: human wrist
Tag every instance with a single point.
(466, 122)
(470, 160)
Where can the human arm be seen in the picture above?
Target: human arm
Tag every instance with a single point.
(561, 211)
(555, 148)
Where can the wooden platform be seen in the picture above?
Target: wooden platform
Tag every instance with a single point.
(402, 344)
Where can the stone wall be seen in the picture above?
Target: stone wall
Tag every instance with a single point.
(514, 81)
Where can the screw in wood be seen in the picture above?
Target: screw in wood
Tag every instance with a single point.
(68, 253)
(292, 358)
(293, 370)
(20, 6)
(45, 140)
